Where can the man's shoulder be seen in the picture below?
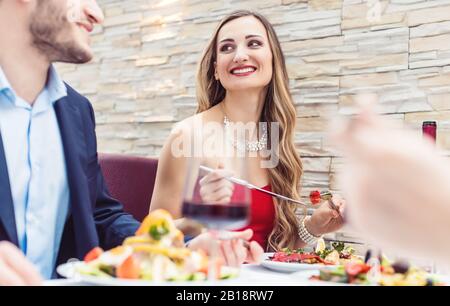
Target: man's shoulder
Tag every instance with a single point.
(76, 98)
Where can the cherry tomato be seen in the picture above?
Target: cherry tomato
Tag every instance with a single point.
(315, 197)
(93, 254)
(129, 269)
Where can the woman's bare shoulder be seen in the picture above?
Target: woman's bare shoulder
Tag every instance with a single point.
(195, 123)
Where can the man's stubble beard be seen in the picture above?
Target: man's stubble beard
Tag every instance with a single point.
(47, 30)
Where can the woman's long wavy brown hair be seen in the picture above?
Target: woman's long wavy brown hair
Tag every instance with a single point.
(278, 107)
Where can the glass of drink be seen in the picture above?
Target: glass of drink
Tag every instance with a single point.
(217, 203)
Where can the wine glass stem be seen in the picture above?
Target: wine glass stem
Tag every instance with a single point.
(213, 269)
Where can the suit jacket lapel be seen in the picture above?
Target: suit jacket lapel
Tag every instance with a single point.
(73, 139)
(7, 216)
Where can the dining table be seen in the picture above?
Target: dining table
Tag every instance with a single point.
(250, 275)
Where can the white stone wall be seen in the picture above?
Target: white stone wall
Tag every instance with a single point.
(142, 79)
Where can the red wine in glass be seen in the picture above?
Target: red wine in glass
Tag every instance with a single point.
(429, 130)
(217, 216)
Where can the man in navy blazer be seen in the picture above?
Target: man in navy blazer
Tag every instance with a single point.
(54, 204)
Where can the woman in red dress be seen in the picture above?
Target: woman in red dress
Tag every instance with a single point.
(242, 78)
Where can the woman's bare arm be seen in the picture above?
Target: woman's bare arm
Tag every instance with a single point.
(168, 190)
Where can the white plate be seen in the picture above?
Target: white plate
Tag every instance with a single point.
(304, 277)
(69, 271)
(289, 267)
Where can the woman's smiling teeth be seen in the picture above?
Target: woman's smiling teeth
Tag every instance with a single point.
(240, 71)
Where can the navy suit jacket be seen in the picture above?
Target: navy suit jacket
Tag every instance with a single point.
(95, 218)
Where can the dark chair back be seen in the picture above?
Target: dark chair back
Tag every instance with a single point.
(130, 180)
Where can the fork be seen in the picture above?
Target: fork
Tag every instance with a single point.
(251, 186)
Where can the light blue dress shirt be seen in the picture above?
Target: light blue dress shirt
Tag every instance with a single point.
(37, 169)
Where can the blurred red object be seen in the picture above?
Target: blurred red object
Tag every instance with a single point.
(315, 197)
(429, 129)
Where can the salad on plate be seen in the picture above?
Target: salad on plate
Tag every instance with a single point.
(155, 253)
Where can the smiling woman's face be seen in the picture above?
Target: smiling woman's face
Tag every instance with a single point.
(244, 57)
